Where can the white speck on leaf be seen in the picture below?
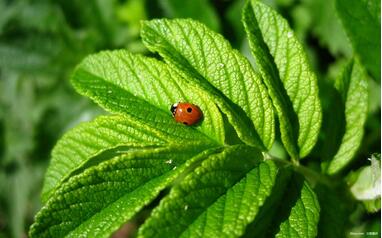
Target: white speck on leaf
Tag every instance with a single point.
(290, 34)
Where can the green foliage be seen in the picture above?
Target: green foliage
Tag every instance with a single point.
(218, 178)
(200, 10)
(362, 22)
(321, 18)
(335, 206)
(304, 215)
(101, 139)
(40, 43)
(352, 86)
(92, 157)
(291, 83)
(148, 94)
(224, 74)
(102, 195)
(219, 199)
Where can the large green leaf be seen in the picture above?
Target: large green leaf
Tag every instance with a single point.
(335, 211)
(362, 22)
(207, 61)
(333, 121)
(291, 211)
(304, 215)
(219, 199)
(101, 139)
(352, 85)
(285, 69)
(97, 201)
(223, 198)
(143, 88)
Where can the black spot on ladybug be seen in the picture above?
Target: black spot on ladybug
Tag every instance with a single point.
(185, 123)
(189, 110)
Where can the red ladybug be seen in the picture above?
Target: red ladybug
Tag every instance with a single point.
(186, 113)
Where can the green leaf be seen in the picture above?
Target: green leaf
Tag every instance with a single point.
(99, 140)
(328, 28)
(352, 85)
(219, 199)
(335, 211)
(372, 206)
(191, 9)
(105, 171)
(207, 61)
(322, 20)
(144, 89)
(362, 22)
(303, 216)
(232, 15)
(97, 201)
(333, 123)
(285, 70)
(292, 210)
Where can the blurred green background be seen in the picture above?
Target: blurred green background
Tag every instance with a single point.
(41, 42)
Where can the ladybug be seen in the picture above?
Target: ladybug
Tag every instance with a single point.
(186, 113)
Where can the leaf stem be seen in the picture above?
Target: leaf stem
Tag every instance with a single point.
(312, 176)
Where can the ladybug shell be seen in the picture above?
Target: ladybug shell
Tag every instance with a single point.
(186, 113)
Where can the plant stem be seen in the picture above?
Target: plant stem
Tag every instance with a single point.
(311, 175)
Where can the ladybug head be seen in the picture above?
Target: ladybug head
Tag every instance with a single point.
(173, 108)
